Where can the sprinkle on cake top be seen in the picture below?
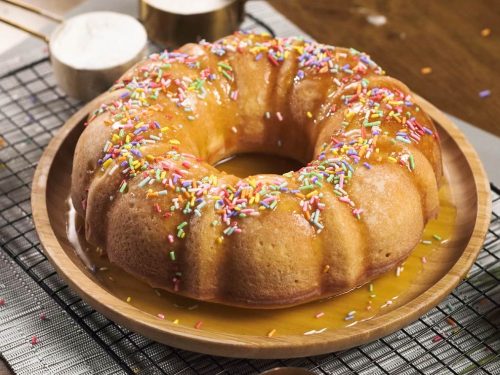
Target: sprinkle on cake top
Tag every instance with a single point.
(387, 115)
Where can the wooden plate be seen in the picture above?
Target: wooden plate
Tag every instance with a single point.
(470, 190)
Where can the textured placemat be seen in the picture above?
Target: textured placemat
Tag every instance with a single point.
(45, 328)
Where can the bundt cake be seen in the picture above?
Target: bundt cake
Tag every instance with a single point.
(145, 182)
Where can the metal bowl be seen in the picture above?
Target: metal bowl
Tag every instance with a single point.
(171, 29)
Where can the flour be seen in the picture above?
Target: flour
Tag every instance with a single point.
(189, 7)
(98, 40)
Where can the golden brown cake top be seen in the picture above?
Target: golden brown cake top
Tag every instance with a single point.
(376, 125)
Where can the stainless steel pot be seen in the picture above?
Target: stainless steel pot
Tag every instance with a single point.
(171, 27)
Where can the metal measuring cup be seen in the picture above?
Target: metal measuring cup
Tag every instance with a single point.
(176, 22)
(77, 80)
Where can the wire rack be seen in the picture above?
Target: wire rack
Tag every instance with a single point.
(460, 336)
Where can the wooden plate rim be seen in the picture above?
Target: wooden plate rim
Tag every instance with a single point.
(231, 345)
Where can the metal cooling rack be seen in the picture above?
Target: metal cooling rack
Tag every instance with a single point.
(460, 336)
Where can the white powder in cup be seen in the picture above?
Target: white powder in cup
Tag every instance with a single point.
(98, 40)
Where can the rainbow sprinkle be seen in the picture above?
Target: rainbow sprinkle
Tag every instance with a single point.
(485, 32)
(484, 93)
(315, 332)
(426, 70)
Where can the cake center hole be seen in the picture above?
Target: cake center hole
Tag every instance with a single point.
(244, 165)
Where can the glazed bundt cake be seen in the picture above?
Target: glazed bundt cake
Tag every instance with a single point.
(143, 175)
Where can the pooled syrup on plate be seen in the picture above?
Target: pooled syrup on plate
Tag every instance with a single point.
(244, 165)
(360, 304)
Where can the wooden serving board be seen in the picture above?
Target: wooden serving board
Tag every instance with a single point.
(469, 188)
